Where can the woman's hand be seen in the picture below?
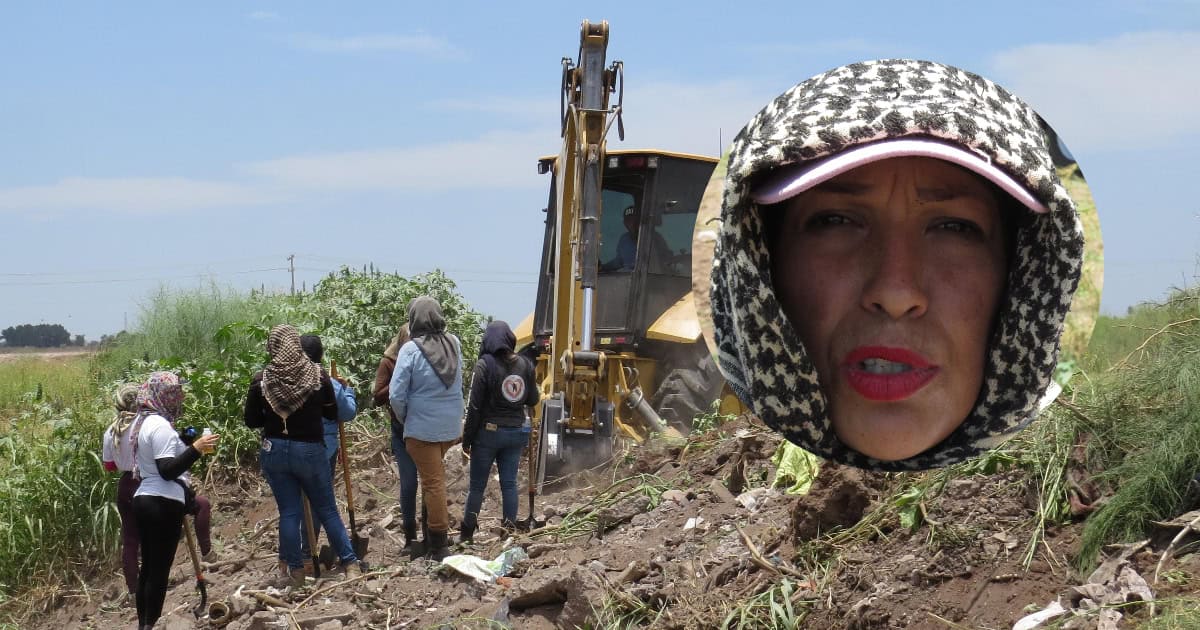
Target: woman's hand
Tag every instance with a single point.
(207, 444)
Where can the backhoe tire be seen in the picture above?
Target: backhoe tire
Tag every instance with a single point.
(691, 384)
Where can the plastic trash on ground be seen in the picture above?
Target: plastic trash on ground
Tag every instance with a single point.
(486, 570)
(797, 468)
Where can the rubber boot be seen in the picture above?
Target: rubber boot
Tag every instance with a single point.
(412, 547)
(466, 533)
(439, 546)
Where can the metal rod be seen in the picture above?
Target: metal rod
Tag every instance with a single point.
(586, 341)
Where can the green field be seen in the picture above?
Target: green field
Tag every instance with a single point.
(63, 381)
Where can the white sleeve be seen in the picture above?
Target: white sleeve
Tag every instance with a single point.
(108, 452)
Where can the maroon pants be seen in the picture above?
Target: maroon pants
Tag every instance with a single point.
(131, 541)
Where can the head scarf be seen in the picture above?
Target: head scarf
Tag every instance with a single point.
(393, 347)
(428, 329)
(760, 352)
(161, 394)
(291, 376)
(499, 340)
(125, 400)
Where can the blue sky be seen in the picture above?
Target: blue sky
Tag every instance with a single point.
(148, 143)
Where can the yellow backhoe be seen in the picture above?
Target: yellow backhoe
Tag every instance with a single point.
(614, 317)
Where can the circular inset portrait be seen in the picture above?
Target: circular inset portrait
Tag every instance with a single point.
(894, 262)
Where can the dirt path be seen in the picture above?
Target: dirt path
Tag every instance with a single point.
(49, 355)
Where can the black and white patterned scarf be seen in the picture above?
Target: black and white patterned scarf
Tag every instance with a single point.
(290, 377)
(760, 352)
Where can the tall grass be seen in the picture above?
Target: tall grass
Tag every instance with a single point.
(178, 326)
(57, 519)
(1135, 409)
(61, 382)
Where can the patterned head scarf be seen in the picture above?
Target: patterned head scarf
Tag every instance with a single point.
(161, 394)
(760, 352)
(290, 377)
(125, 400)
(428, 328)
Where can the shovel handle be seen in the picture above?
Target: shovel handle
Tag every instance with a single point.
(532, 483)
(345, 460)
(200, 583)
(312, 535)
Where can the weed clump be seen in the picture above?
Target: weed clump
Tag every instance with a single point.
(1132, 421)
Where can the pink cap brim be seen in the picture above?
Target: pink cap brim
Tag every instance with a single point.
(793, 180)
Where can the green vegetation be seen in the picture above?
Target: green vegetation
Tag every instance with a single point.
(178, 326)
(780, 606)
(1175, 614)
(61, 383)
(57, 515)
(39, 336)
(1141, 422)
(58, 521)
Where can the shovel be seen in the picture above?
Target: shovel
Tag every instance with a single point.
(312, 536)
(358, 544)
(532, 523)
(201, 585)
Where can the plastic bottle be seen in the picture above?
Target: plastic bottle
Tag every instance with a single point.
(207, 432)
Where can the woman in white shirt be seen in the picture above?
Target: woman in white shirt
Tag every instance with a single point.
(161, 461)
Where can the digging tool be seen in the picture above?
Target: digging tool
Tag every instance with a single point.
(532, 482)
(312, 535)
(201, 585)
(359, 544)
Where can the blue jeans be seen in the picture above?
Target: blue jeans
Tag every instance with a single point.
(408, 481)
(502, 446)
(292, 467)
(304, 550)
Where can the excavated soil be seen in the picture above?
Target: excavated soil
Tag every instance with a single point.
(684, 559)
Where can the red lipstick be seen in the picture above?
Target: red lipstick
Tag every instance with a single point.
(889, 386)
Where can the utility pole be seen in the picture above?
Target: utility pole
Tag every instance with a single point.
(292, 270)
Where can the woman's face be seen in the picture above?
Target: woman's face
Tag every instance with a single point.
(892, 274)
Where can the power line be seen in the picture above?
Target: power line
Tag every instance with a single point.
(38, 274)
(142, 279)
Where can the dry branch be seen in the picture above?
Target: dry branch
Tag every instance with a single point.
(1174, 541)
(758, 559)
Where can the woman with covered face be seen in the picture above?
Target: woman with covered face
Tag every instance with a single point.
(288, 400)
(405, 466)
(896, 259)
(497, 428)
(160, 464)
(427, 398)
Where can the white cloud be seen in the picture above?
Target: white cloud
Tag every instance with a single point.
(264, 16)
(1136, 89)
(694, 118)
(501, 159)
(134, 195)
(687, 117)
(421, 44)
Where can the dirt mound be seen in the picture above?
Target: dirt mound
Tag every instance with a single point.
(838, 498)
